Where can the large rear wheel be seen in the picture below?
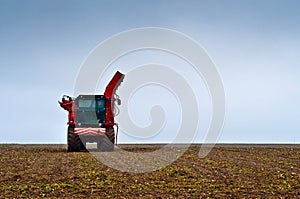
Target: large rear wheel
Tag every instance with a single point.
(107, 141)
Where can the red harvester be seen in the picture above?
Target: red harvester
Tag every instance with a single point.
(91, 117)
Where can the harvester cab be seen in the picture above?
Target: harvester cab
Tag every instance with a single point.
(91, 117)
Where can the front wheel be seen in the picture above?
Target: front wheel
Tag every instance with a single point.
(107, 141)
(72, 144)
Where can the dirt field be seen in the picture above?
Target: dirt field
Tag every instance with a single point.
(227, 172)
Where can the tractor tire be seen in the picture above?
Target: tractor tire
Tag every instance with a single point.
(110, 133)
(79, 144)
(107, 141)
(72, 145)
(82, 145)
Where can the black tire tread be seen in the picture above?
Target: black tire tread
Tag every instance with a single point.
(110, 133)
(71, 139)
(106, 143)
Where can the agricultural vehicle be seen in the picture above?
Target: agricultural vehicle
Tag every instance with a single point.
(91, 117)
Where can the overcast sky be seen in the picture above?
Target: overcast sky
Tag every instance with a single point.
(255, 45)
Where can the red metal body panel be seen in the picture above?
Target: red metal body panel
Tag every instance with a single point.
(113, 85)
(89, 131)
(68, 105)
(109, 95)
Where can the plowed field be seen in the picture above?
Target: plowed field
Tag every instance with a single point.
(229, 171)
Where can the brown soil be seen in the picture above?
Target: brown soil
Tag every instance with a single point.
(227, 172)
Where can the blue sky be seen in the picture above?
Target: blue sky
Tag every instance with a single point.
(255, 45)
